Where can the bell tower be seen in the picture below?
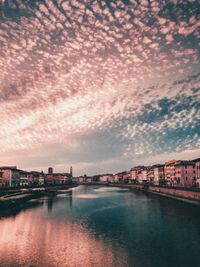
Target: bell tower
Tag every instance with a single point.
(71, 171)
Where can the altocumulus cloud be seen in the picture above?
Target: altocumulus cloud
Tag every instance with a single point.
(101, 85)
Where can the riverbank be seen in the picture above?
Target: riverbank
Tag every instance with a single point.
(186, 195)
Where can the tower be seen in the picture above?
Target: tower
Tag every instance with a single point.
(71, 171)
(50, 170)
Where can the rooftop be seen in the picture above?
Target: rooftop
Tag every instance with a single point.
(195, 160)
(184, 162)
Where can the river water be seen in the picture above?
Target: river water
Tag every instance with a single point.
(101, 226)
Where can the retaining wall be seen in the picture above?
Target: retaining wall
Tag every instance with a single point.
(174, 192)
(187, 194)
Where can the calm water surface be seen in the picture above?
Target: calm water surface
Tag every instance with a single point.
(99, 226)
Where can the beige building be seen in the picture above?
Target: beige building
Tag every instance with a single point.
(170, 172)
(159, 174)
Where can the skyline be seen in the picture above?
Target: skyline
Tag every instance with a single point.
(99, 85)
(69, 170)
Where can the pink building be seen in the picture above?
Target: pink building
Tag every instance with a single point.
(185, 173)
(1, 173)
(144, 175)
(197, 171)
(116, 178)
(136, 174)
(10, 176)
(106, 178)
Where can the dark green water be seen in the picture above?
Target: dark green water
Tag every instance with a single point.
(100, 226)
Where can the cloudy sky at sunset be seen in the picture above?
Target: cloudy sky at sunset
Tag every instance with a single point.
(100, 85)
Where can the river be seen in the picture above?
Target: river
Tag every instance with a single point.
(103, 227)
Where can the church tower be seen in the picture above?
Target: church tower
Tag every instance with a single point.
(71, 171)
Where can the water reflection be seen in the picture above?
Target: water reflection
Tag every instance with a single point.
(13, 211)
(102, 227)
(50, 204)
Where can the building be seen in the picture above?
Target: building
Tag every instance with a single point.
(1, 173)
(170, 172)
(56, 178)
(85, 179)
(185, 173)
(103, 178)
(116, 178)
(140, 180)
(180, 173)
(197, 171)
(81, 179)
(52, 178)
(107, 178)
(126, 176)
(89, 179)
(111, 178)
(24, 178)
(95, 178)
(41, 180)
(159, 174)
(10, 176)
(143, 176)
(75, 179)
(119, 177)
(150, 175)
(136, 175)
(36, 178)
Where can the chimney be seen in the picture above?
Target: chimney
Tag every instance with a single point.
(50, 170)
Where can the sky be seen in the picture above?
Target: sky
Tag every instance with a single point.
(99, 85)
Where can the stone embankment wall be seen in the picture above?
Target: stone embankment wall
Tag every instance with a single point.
(176, 192)
(187, 194)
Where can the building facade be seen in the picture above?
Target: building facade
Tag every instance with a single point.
(170, 173)
(136, 175)
(197, 171)
(24, 178)
(10, 176)
(185, 174)
(150, 175)
(159, 174)
(52, 178)
(36, 178)
(106, 178)
(126, 176)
